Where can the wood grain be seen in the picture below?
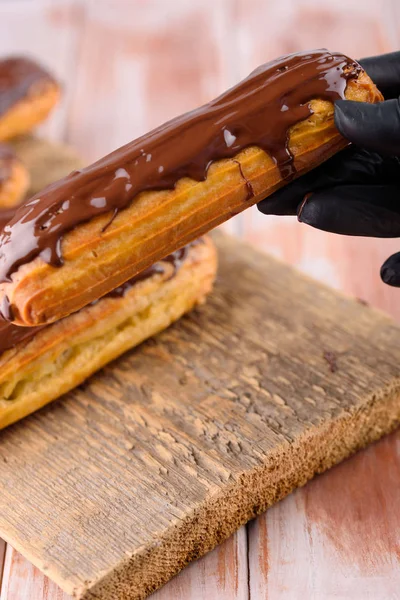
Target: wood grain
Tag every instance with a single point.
(220, 574)
(336, 538)
(23, 581)
(3, 547)
(164, 454)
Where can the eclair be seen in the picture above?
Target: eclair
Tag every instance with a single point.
(37, 365)
(88, 233)
(14, 180)
(28, 93)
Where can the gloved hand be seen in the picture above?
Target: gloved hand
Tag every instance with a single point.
(357, 192)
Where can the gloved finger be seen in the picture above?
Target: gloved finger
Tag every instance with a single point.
(349, 166)
(390, 270)
(372, 126)
(384, 71)
(360, 210)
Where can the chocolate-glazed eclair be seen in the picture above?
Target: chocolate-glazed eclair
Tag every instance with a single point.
(37, 365)
(91, 231)
(28, 93)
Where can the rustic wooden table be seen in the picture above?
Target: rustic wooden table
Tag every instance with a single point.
(128, 65)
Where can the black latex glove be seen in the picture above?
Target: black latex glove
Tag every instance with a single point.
(357, 192)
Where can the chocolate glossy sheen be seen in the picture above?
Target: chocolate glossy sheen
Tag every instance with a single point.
(11, 335)
(18, 76)
(259, 111)
(175, 259)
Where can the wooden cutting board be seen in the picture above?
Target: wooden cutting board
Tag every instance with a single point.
(158, 458)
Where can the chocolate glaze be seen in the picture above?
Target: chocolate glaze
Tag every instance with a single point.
(18, 75)
(175, 259)
(11, 335)
(259, 111)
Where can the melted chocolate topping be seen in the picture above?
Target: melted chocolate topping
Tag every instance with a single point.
(17, 77)
(175, 259)
(259, 111)
(11, 335)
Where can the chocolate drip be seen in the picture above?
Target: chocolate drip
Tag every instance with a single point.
(259, 111)
(176, 259)
(11, 335)
(249, 187)
(17, 77)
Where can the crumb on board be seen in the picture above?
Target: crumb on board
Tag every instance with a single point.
(362, 301)
(331, 359)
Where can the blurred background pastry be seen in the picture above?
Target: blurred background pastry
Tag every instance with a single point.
(28, 93)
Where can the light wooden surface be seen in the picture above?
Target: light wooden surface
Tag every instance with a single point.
(113, 56)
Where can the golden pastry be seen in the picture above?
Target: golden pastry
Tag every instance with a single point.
(40, 364)
(27, 95)
(96, 228)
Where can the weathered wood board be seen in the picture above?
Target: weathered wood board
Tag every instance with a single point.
(113, 489)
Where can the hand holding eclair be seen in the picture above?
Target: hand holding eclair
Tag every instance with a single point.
(85, 265)
(88, 233)
(357, 192)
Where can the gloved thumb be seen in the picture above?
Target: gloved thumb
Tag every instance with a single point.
(371, 126)
(390, 271)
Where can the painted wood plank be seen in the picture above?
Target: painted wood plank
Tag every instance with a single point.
(268, 29)
(220, 575)
(2, 557)
(23, 581)
(48, 31)
(142, 63)
(336, 538)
